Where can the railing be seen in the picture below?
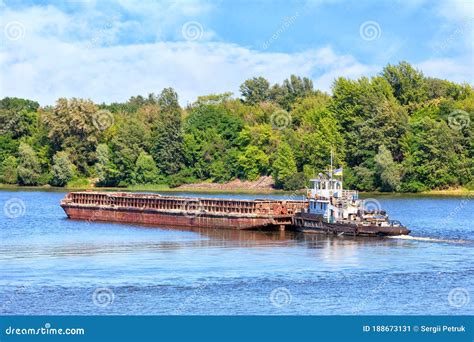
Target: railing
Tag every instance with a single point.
(212, 205)
(353, 194)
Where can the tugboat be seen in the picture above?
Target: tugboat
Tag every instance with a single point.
(333, 210)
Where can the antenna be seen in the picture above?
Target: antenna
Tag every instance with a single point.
(330, 171)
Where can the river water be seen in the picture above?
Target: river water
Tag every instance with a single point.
(52, 265)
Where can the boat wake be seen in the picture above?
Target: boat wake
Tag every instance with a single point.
(427, 239)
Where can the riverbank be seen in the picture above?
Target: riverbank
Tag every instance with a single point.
(150, 188)
(226, 189)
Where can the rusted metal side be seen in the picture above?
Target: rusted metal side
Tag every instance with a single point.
(180, 211)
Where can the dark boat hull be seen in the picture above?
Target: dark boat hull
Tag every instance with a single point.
(310, 223)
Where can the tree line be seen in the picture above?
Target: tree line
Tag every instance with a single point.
(396, 131)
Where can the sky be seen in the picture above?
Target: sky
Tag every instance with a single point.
(108, 51)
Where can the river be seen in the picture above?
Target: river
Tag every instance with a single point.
(52, 265)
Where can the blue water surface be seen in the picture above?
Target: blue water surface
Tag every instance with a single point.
(52, 265)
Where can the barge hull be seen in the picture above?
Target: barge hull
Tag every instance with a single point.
(308, 224)
(164, 211)
(178, 219)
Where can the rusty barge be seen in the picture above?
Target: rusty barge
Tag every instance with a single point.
(158, 210)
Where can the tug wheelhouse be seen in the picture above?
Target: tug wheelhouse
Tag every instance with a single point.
(328, 198)
(331, 209)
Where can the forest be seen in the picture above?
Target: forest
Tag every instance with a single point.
(398, 131)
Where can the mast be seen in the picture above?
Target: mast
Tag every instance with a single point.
(342, 179)
(330, 170)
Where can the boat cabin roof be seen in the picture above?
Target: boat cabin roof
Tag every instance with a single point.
(325, 184)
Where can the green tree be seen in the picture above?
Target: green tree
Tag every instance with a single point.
(292, 89)
(167, 135)
(28, 170)
(75, 126)
(145, 171)
(255, 90)
(318, 135)
(252, 163)
(388, 172)
(407, 82)
(369, 116)
(17, 116)
(127, 143)
(361, 178)
(284, 166)
(9, 174)
(211, 131)
(8, 146)
(107, 171)
(434, 157)
(397, 131)
(63, 170)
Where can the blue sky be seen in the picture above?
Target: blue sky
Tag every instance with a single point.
(111, 50)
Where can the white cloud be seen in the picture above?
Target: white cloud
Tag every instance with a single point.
(453, 69)
(50, 69)
(48, 62)
(456, 9)
(63, 55)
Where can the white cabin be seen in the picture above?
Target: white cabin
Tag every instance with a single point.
(321, 187)
(328, 198)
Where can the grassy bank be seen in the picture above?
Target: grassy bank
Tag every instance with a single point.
(144, 188)
(166, 188)
(450, 192)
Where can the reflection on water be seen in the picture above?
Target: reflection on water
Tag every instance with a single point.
(52, 265)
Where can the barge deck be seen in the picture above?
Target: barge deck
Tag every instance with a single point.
(154, 209)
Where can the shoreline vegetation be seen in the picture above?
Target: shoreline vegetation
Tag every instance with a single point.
(164, 188)
(397, 132)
